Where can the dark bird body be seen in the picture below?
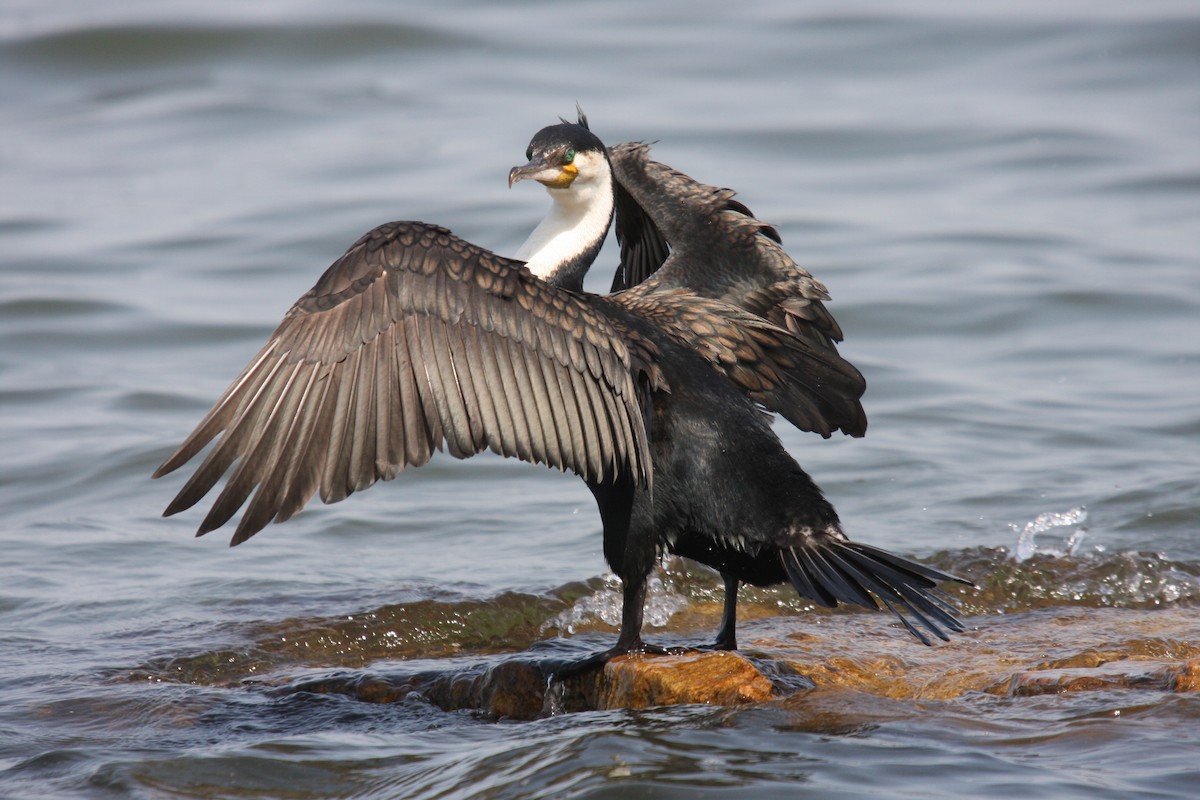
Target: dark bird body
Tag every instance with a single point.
(415, 340)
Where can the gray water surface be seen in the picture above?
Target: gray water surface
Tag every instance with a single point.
(1003, 199)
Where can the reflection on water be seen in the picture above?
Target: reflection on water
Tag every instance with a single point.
(1001, 200)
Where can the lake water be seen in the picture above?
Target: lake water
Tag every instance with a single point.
(1003, 198)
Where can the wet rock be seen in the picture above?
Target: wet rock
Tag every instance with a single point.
(785, 661)
(726, 679)
(1079, 648)
(1156, 676)
(519, 688)
(1043, 652)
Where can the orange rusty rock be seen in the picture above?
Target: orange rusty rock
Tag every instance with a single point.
(717, 678)
(853, 653)
(885, 676)
(1044, 652)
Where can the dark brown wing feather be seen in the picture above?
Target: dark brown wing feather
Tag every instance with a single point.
(678, 233)
(643, 246)
(811, 386)
(412, 341)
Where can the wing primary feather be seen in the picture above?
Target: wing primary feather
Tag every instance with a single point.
(464, 377)
(591, 442)
(361, 431)
(412, 341)
(257, 454)
(533, 401)
(433, 395)
(560, 412)
(389, 443)
(489, 391)
(228, 449)
(277, 474)
(440, 363)
(310, 440)
(515, 393)
(416, 437)
(219, 417)
(335, 482)
(332, 341)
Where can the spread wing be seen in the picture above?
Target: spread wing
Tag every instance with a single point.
(412, 341)
(678, 233)
(767, 326)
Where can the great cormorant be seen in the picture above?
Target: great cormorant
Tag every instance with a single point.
(656, 395)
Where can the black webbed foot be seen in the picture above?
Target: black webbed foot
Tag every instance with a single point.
(727, 643)
(564, 668)
(658, 650)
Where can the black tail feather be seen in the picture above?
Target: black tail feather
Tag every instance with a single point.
(849, 572)
(922, 638)
(878, 554)
(892, 590)
(848, 586)
(806, 587)
(918, 598)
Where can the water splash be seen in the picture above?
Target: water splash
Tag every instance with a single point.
(1048, 579)
(604, 606)
(1027, 547)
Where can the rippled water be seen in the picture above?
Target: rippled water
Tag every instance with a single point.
(1002, 198)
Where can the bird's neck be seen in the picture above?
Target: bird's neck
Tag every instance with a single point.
(563, 246)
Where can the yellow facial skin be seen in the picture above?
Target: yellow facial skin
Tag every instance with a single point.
(541, 171)
(567, 174)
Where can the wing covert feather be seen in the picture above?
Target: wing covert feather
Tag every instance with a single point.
(812, 387)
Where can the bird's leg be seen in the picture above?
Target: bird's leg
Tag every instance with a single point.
(727, 635)
(629, 640)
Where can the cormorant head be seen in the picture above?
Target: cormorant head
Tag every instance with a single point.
(561, 155)
(573, 165)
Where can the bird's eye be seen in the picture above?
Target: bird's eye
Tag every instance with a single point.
(570, 156)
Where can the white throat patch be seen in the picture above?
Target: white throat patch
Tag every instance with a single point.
(578, 216)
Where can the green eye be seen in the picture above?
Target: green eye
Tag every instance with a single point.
(570, 156)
